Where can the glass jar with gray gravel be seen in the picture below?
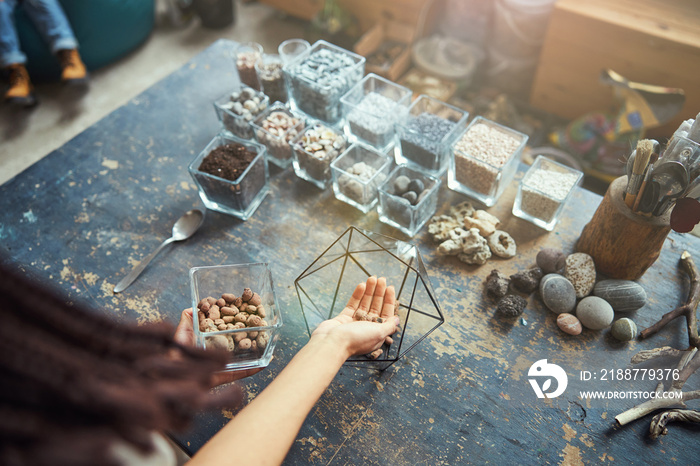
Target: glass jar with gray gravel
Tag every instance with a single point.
(319, 77)
(237, 109)
(357, 174)
(371, 109)
(543, 192)
(484, 160)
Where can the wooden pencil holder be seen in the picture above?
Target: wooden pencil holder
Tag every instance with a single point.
(622, 244)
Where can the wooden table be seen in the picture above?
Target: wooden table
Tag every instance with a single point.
(89, 211)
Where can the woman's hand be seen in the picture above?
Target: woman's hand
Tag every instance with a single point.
(363, 337)
(184, 335)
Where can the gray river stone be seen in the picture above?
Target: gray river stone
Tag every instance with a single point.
(623, 295)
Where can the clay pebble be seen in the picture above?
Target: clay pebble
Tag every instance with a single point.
(569, 324)
(557, 293)
(579, 269)
(624, 329)
(623, 295)
(550, 260)
(511, 305)
(496, 285)
(594, 313)
(527, 281)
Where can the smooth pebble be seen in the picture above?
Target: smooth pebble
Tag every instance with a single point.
(580, 271)
(568, 323)
(624, 329)
(623, 295)
(557, 293)
(594, 313)
(401, 184)
(550, 260)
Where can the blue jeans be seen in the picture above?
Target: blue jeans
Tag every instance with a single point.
(50, 21)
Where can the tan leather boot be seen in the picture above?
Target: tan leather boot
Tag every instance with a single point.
(21, 91)
(74, 71)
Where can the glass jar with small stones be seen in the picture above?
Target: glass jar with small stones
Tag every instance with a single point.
(315, 149)
(484, 160)
(371, 109)
(319, 77)
(408, 199)
(237, 109)
(424, 136)
(269, 70)
(275, 128)
(357, 174)
(245, 56)
(543, 192)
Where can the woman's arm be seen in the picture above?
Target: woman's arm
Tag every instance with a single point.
(274, 417)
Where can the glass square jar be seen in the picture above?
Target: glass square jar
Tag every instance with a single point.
(371, 109)
(274, 129)
(237, 110)
(236, 310)
(315, 148)
(239, 197)
(271, 78)
(357, 174)
(424, 136)
(408, 199)
(245, 55)
(544, 191)
(320, 76)
(484, 160)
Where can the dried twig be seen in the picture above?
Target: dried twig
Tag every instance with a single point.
(658, 423)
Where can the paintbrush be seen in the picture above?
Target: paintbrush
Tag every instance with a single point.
(645, 147)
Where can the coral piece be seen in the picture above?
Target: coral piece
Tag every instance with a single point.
(454, 243)
(461, 210)
(441, 225)
(502, 244)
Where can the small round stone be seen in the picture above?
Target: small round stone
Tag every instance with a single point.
(579, 269)
(416, 186)
(623, 295)
(568, 323)
(624, 329)
(594, 313)
(557, 293)
(401, 184)
(511, 305)
(550, 260)
(411, 197)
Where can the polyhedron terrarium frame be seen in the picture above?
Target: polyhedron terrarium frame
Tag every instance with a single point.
(326, 285)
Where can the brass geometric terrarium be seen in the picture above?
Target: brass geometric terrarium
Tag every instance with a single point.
(326, 285)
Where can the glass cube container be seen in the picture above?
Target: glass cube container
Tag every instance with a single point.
(408, 199)
(315, 149)
(357, 174)
(544, 190)
(277, 138)
(233, 113)
(424, 136)
(240, 197)
(272, 83)
(292, 48)
(371, 109)
(234, 320)
(320, 76)
(245, 56)
(484, 160)
(326, 285)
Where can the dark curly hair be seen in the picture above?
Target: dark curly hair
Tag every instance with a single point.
(73, 382)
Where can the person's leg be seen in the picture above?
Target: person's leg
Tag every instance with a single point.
(53, 25)
(21, 91)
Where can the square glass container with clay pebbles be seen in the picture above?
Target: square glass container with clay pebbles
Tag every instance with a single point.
(371, 109)
(231, 175)
(319, 77)
(424, 136)
(544, 191)
(484, 160)
(408, 199)
(357, 174)
(236, 311)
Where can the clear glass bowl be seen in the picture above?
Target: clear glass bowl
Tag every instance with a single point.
(235, 122)
(357, 174)
(313, 162)
(292, 48)
(544, 191)
(484, 160)
(424, 136)
(316, 88)
(326, 285)
(277, 142)
(371, 109)
(241, 197)
(399, 212)
(261, 331)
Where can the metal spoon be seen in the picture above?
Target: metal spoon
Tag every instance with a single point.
(185, 227)
(673, 180)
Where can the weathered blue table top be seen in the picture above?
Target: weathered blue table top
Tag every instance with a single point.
(88, 212)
